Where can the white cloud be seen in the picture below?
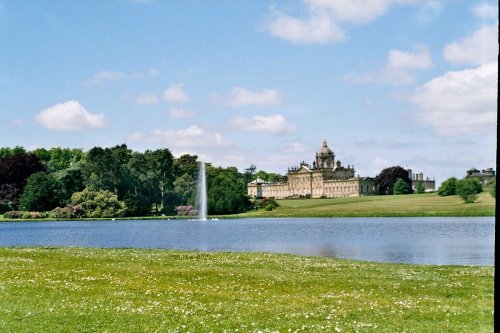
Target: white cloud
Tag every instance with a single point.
(175, 93)
(409, 60)
(146, 99)
(69, 116)
(322, 22)
(479, 48)
(241, 97)
(105, 76)
(399, 69)
(180, 113)
(317, 28)
(486, 10)
(191, 137)
(460, 102)
(273, 124)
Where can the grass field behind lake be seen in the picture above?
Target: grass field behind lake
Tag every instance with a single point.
(126, 290)
(428, 204)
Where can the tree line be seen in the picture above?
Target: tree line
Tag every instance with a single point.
(108, 182)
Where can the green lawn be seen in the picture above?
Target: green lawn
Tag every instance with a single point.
(429, 204)
(125, 290)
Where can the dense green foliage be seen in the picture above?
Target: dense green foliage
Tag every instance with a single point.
(131, 290)
(152, 182)
(42, 192)
(226, 191)
(401, 187)
(15, 168)
(387, 178)
(448, 187)
(468, 189)
(100, 203)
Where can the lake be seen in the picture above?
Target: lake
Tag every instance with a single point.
(430, 240)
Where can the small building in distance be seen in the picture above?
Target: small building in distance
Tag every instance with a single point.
(326, 178)
(484, 176)
(417, 179)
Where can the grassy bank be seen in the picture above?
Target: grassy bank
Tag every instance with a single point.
(429, 204)
(124, 290)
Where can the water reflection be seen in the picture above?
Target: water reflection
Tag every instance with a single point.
(461, 241)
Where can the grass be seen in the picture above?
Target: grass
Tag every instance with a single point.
(429, 204)
(130, 290)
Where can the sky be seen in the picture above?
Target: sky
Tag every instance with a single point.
(240, 83)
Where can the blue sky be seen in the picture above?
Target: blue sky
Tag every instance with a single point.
(385, 82)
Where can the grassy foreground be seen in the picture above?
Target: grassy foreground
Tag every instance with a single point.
(125, 290)
(428, 204)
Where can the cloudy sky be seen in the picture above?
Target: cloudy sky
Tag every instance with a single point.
(385, 82)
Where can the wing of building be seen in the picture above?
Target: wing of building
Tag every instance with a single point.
(326, 178)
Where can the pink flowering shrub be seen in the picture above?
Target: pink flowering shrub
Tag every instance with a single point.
(186, 211)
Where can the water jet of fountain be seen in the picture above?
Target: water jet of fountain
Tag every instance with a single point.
(202, 193)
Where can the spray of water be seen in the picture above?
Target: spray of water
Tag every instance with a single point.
(202, 193)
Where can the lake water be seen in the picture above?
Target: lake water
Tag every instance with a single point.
(441, 240)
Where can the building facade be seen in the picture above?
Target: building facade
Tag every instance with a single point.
(484, 176)
(417, 179)
(326, 178)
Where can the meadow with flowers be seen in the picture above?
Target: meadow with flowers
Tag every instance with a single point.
(136, 290)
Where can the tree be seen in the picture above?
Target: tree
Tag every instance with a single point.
(468, 189)
(6, 151)
(386, 179)
(249, 173)
(491, 187)
(185, 187)
(226, 191)
(420, 188)
(99, 203)
(71, 180)
(14, 172)
(106, 169)
(448, 187)
(42, 192)
(401, 187)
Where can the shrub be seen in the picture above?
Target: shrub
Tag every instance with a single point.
(186, 211)
(26, 215)
(401, 187)
(13, 214)
(448, 187)
(468, 189)
(98, 203)
(265, 203)
(38, 215)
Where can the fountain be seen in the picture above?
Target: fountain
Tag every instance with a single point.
(202, 193)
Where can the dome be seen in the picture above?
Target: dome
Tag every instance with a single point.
(324, 150)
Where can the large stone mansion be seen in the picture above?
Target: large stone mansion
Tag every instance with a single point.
(326, 178)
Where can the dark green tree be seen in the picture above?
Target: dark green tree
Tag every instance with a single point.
(42, 192)
(401, 187)
(71, 179)
(14, 172)
(6, 151)
(468, 189)
(420, 188)
(386, 179)
(185, 187)
(448, 187)
(106, 169)
(226, 191)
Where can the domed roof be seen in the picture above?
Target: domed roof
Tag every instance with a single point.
(324, 150)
